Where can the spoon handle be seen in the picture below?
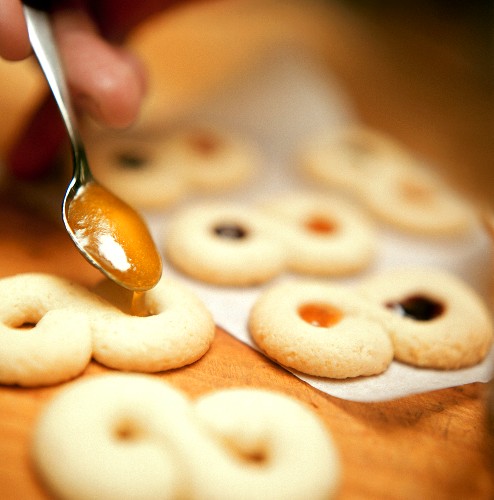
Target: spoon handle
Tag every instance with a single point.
(45, 48)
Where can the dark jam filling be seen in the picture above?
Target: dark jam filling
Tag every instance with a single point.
(130, 161)
(417, 307)
(230, 231)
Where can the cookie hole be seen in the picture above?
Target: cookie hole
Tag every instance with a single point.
(320, 225)
(26, 323)
(417, 307)
(255, 457)
(204, 143)
(127, 431)
(230, 231)
(130, 161)
(320, 315)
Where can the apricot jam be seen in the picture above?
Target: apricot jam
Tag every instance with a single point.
(320, 225)
(322, 315)
(114, 235)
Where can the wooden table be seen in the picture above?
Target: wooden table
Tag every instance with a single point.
(432, 445)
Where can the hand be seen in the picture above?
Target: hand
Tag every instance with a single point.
(105, 80)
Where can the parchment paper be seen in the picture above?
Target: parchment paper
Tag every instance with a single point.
(284, 101)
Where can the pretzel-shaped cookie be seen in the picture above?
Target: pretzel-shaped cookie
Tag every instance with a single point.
(229, 244)
(133, 436)
(50, 328)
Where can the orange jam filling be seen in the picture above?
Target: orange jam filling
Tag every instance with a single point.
(322, 315)
(320, 225)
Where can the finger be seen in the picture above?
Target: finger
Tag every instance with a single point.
(14, 41)
(105, 81)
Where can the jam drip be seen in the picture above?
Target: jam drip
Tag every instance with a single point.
(417, 307)
(230, 231)
(321, 315)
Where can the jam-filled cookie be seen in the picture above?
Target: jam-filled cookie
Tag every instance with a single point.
(136, 169)
(211, 158)
(436, 320)
(391, 183)
(349, 156)
(224, 244)
(320, 329)
(414, 199)
(323, 235)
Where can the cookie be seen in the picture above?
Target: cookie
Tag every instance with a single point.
(136, 169)
(435, 319)
(321, 329)
(349, 156)
(416, 200)
(133, 436)
(388, 180)
(323, 235)
(169, 327)
(212, 159)
(45, 335)
(224, 244)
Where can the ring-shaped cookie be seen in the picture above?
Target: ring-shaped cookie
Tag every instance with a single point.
(320, 329)
(323, 235)
(350, 156)
(224, 244)
(137, 170)
(210, 158)
(260, 456)
(112, 437)
(170, 328)
(435, 319)
(45, 336)
(416, 200)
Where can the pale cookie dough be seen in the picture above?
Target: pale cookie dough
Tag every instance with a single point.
(320, 329)
(224, 244)
(435, 319)
(211, 158)
(136, 169)
(169, 328)
(45, 335)
(323, 235)
(128, 436)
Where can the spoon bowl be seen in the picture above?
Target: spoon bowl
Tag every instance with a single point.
(109, 233)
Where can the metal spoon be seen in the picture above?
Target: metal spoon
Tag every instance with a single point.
(107, 231)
